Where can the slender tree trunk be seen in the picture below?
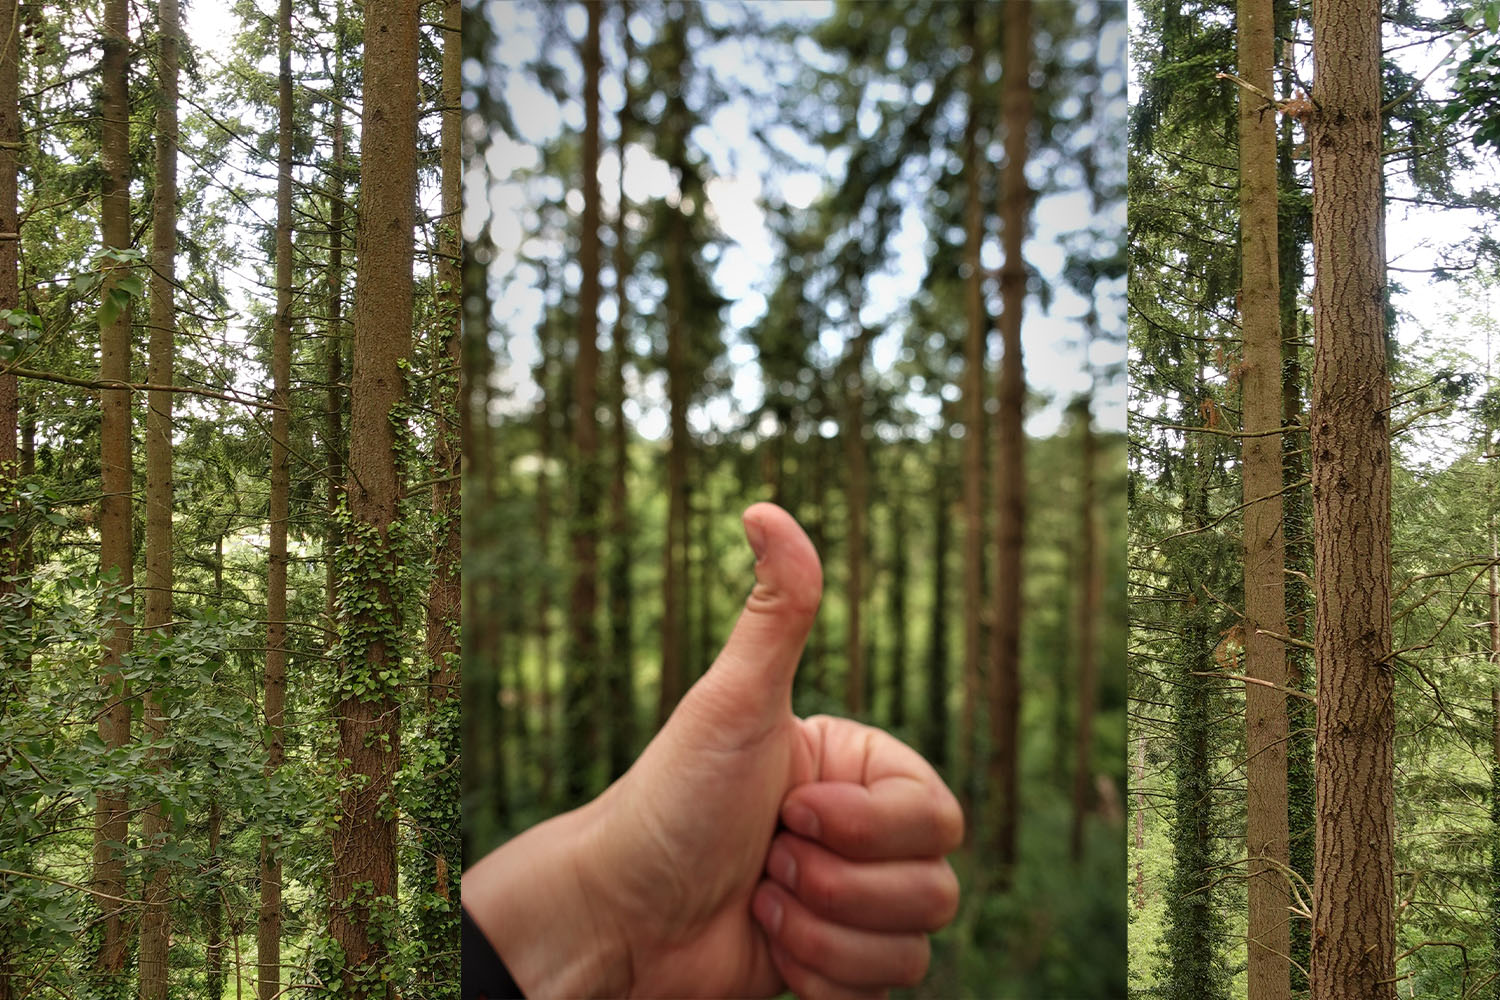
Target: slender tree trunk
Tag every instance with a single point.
(1353, 946)
(155, 919)
(213, 917)
(974, 393)
(900, 568)
(581, 703)
(1091, 575)
(11, 545)
(545, 407)
(333, 416)
(935, 736)
(1140, 822)
(620, 688)
(435, 811)
(268, 926)
(368, 712)
(116, 544)
(674, 640)
(1291, 235)
(1010, 469)
(856, 461)
(1266, 844)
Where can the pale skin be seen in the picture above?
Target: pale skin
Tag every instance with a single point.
(747, 851)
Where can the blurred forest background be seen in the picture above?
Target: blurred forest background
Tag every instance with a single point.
(1205, 771)
(229, 499)
(721, 252)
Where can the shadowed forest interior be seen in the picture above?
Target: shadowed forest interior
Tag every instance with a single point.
(718, 253)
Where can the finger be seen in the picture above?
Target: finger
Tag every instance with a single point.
(808, 985)
(901, 896)
(846, 955)
(891, 818)
(751, 679)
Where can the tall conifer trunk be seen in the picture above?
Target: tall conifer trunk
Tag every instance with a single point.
(364, 845)
(1091, 579)
(580, 679)
(10, 290)
(116, 543)
(1010, 467)
(1353, 944)
(155, 919)
(1266, 845)
(620, 687)
(974, 411)
(268, 924)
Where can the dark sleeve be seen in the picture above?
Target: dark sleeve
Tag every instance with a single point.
(485, 977)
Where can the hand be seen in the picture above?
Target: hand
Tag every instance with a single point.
(676, 882)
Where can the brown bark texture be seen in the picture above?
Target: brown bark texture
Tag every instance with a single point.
(1354, 872)
(974, 392)
(1266, 839)
(155, 917)
(1010, 468)
(116, 544)
(364, 918)
(268, 922)
(580, 682)
(1091, 574)
(11, 545)
(620, 686)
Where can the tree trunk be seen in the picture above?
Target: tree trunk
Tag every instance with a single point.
(900, 568)
(1010, 469)
(436, 808)
(580, 702)
(856, 461)
(1353, 946)
(333, 416)
(213, 918)
(1140, 822)
(935, 736)
(364, 911)
(155, 919)
(974, 392)
(1091, 574)
(1266, 845)
(268, 924)
(620, 689)
(116, 542)
(674, 637)
(11, 545)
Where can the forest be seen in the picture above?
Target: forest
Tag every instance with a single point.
(229, 498)
(865, 260)
(1312, 534)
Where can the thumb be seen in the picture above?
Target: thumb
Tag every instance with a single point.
(750, 681)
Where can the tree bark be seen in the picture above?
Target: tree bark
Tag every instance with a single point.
(1010, 467)
(974, 393)
(268, 923)
(1091, 576)
(116, 542)
(935, 735)
(580, 703)
(155, 918)
(1266, 843)
(11, 545)
(1353, 946)
(364, 915)
(620, 687)
(856, 461)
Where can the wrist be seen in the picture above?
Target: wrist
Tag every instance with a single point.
(537, 898)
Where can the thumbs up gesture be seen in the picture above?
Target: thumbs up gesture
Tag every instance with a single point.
(746, 851)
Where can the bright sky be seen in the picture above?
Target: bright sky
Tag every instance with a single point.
(744, 272)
